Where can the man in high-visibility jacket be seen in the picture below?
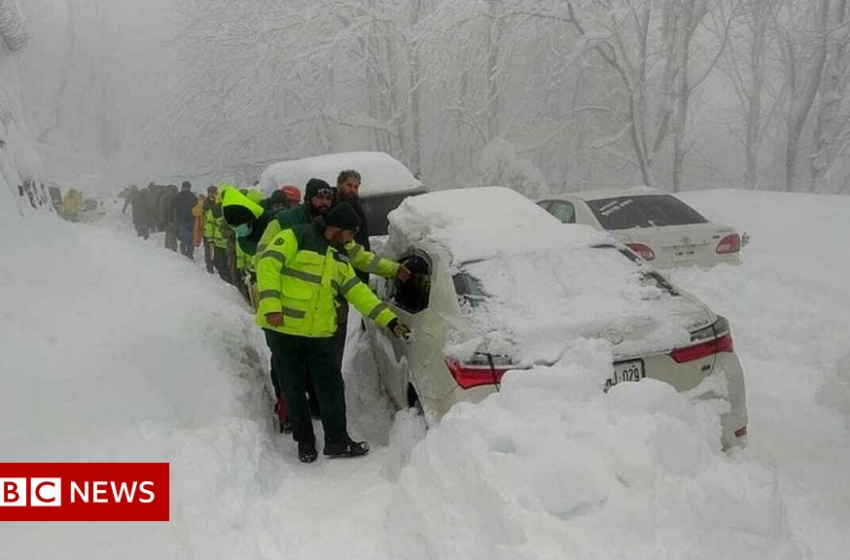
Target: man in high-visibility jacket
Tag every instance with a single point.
(299, 276)
(208, 228)
(247, 218)
(318, 200)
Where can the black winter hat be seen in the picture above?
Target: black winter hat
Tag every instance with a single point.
(343, 216)
(186, 186)
(278, 197)
(313, 187)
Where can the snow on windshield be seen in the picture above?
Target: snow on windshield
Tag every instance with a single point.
(537, 304)
(381, 173)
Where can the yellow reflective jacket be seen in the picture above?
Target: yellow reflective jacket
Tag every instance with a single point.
(299, 275)
(361, 259)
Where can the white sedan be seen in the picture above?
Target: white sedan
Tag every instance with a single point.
(656, 225)
(499, 285)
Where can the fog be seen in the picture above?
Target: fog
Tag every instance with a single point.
(543, 96)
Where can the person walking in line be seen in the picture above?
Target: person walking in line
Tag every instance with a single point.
(208, 228)
(299, 276)
(140, 201)
(184, 202)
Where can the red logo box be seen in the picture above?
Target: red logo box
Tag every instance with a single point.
(84, 492)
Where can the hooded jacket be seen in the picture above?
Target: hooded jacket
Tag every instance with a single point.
(239, 209)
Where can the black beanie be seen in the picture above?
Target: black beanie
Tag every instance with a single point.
(343, 216)
(313, 187)
(278, 197)
(186, 186)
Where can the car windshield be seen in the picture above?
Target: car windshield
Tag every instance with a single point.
(626, 212)
(376, 208)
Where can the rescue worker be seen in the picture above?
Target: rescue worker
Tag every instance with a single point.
(184, 202)
(293, 195)
(299, 276)
(277, 202)
(348, 190)
(208, 228)
(318, 198)
(197, 228)
(248, 220)
(71, 205)
(220, 233)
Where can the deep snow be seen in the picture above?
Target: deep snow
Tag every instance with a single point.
(112, 348)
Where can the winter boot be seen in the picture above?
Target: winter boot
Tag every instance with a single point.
(307, 451)
(346, 448)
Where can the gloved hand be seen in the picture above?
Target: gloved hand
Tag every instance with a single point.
(274, 319)
(399, 330)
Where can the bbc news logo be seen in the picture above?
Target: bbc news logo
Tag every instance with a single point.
(84, 492)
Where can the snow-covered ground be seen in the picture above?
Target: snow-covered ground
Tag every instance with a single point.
(115, 349)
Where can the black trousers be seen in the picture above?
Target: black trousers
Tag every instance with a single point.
(341, 332)
(297, 360)
(209, 255)
(221, 263)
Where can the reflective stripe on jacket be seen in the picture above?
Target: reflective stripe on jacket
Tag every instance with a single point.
(299, 275)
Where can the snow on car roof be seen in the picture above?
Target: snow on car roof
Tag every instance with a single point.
(479, 223)
(610, 193)
(381, 172)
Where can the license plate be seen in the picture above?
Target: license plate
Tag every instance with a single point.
(684, 253)
(626, 371)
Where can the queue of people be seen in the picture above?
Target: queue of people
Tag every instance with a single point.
(300, 263)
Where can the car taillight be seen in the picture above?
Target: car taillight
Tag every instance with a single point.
(703, 349)
(741, 432)
(479, 371)
(711, 340)
(644, 251)
(729, 244)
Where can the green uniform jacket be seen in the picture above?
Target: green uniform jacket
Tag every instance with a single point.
(300, 276)
(361, 259)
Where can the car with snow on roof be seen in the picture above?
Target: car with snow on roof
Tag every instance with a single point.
(385, 180)
(498, 284)
(656, 225)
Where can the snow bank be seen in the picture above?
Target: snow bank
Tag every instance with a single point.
(787, 305)
(380, 172)
(551, 468)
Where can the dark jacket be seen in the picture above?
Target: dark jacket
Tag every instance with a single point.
(184, 201)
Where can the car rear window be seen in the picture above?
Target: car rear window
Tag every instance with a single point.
(627, 212)
(377, 207)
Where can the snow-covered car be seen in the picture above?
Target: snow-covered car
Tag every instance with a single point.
(656, 225)
(501, 285)
(385, 180)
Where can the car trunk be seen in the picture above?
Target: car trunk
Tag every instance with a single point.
(683, 245)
